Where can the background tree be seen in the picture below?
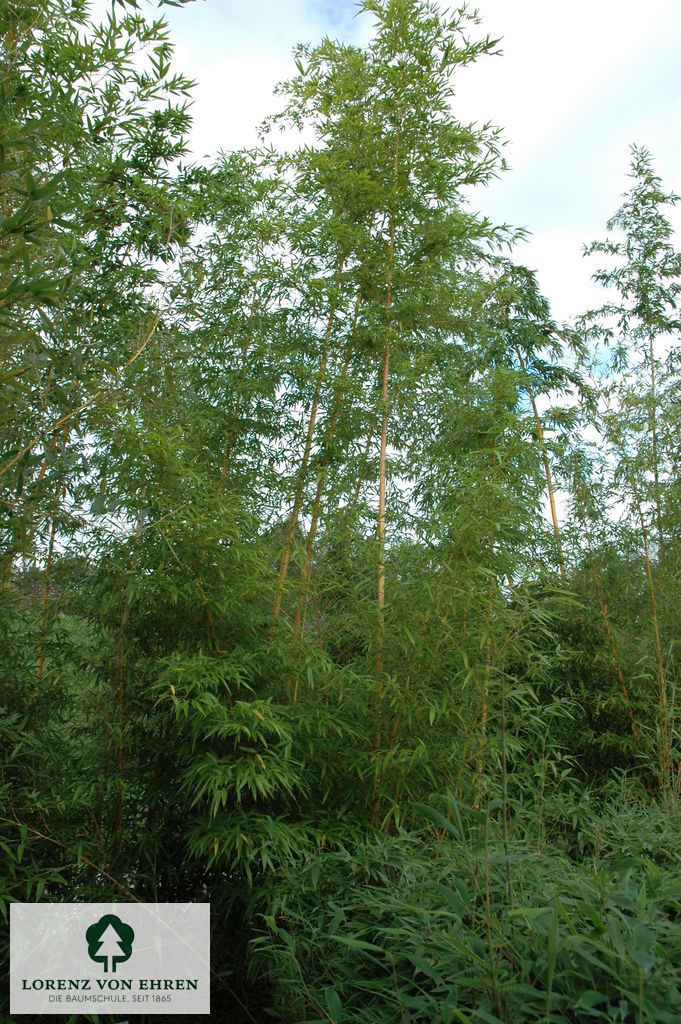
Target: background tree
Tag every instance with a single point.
(639, 324)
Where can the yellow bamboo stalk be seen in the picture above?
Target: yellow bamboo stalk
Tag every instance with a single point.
(662, 684)
(611, 642)
(544, 450)
(302, 472)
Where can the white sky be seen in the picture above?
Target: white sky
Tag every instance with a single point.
(577, 83)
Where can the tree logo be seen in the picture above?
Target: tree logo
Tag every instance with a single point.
(109, 942)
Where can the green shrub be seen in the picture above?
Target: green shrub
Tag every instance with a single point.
(417, 929)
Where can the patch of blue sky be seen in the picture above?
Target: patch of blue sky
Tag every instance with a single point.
(338, 15)
(221, 28)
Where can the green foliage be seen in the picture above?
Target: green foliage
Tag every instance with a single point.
(469, 927)
(280, 438)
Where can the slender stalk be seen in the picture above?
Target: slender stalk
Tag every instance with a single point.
(299, 625)
(120, 758)
(611, 642)
(358, 486)
(302, 472)
(385, 376)
(48, 570)
(653, 427)
(485, 691)
(664, 724)
(504, 790)
(242, 373)
(46, 598)
(488, 923)
(67, 417)
(547, 472)
(381, 512)
(320, 638)
(544, 450)
(121, 686)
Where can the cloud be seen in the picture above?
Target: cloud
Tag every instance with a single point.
(577, 84)
(563, 274)
(556, 57)
(238, 52)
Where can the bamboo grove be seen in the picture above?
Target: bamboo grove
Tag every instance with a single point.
(340, 583)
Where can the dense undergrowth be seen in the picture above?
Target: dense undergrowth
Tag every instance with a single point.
(583, 925)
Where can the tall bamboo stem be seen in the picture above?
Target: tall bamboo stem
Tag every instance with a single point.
(653, 425)
(321, 482)
(611, 642)
(487, 674)
(45, 602)
(544, 450)
(48, 570)
(662, 684)
(547, 467)
(385, 376)
(302, 472)
(121, 686)
(242, 373)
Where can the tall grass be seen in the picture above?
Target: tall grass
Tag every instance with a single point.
(462, 926)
